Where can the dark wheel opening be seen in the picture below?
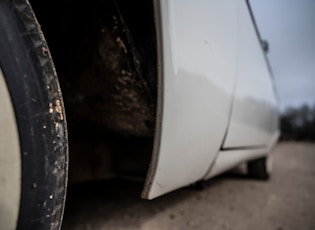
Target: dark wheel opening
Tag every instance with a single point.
(105, 56)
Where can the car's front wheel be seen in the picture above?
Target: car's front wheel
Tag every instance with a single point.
(33, 133)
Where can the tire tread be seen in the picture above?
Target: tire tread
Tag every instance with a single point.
(59, 132)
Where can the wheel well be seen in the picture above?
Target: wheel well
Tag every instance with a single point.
(105, 56)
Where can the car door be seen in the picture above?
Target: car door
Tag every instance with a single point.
(254, 112)
(197, 63)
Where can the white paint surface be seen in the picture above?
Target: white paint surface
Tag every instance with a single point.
(254, 114)
(205, 48)
(198, 71)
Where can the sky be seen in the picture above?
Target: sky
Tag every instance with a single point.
(289, 28)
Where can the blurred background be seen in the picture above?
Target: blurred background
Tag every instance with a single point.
(289, 28)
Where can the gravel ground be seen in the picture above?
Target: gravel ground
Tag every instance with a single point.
(231, 201)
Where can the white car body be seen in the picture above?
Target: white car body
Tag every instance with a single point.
(185, 83)
(217, 105)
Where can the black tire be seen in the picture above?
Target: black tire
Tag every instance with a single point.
(33, 86)
(259, 168)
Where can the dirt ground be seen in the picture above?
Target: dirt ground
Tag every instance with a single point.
(231, 201)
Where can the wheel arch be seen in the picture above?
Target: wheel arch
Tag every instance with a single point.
(105, 54)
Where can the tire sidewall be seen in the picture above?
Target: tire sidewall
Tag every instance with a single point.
(29, 93)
